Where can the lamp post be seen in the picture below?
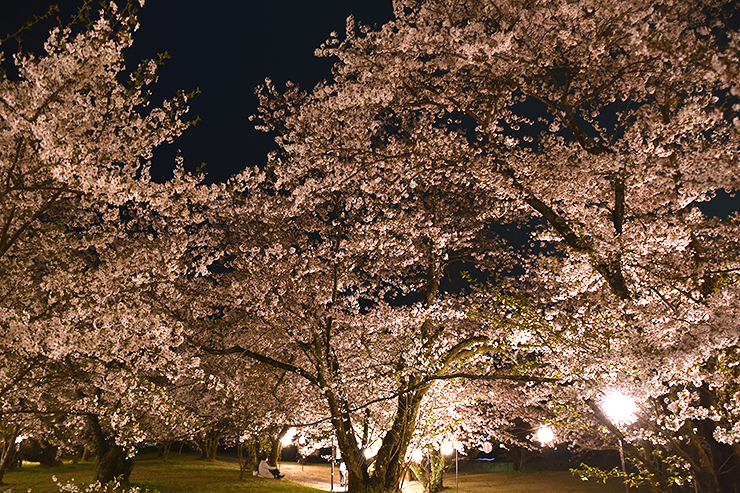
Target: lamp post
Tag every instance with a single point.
(447, 449)
(333, 455)
(620, 408)
(302, 443)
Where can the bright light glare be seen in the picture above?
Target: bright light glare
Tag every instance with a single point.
(372, 450)
(417, 456)
(447, 448)
(545, 435)
(619, 408)
(20, 438)
(288, 437)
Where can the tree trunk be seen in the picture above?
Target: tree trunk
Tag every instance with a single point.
(207, 441)
(114, 465)
(113, 462)
(247, 453)
(431, 471)
(389, 462)
(34, 450)
(164, 449)
(518, 457)
(9, 451)
(277, 445)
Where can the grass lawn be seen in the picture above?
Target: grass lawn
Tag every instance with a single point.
(176, 475)
(532, 482)
(186, 474)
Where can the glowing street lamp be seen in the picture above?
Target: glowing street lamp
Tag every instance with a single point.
(620, 409)
(447, 448)
(545, 435)
(417, 456)
(288, 437)
(372, 450)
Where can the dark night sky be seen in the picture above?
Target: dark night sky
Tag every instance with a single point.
(225, 48)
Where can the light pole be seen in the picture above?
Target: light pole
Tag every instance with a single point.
(620, 408)
(333, 455)
(457, 481)
(447, 449)
(302, 443)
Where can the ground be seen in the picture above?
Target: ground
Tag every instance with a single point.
(319, 476)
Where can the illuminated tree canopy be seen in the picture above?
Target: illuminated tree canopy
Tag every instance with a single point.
(493, 212)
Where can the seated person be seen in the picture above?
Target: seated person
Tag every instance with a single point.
(265, 470)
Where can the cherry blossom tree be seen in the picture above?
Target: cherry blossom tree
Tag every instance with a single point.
(86, 239)
(333, 262)
(610, 122)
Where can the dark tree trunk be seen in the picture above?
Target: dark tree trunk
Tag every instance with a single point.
(164, 449)
(519, 457)
(207, 441)
(277, 445)
(248, 453)
(389, 463)
(114, 465)
(113, 462)
(34, 450)
(9, 453)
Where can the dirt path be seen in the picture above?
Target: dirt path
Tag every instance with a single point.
(319, 476)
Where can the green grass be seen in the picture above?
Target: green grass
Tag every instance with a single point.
(531, 482)
(175, 475)
(186, 474)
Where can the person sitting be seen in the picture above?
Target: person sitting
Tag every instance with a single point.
(265, 470)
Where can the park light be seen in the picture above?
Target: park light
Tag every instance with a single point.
(417, 456)
(372, 450)
(288, 437)
(447, 448)
(545, 435)
(619, 408)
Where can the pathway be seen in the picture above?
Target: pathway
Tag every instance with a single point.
(319, 476)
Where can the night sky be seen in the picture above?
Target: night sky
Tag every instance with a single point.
(225, 48)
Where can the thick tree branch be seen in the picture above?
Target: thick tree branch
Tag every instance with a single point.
(238, 350)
